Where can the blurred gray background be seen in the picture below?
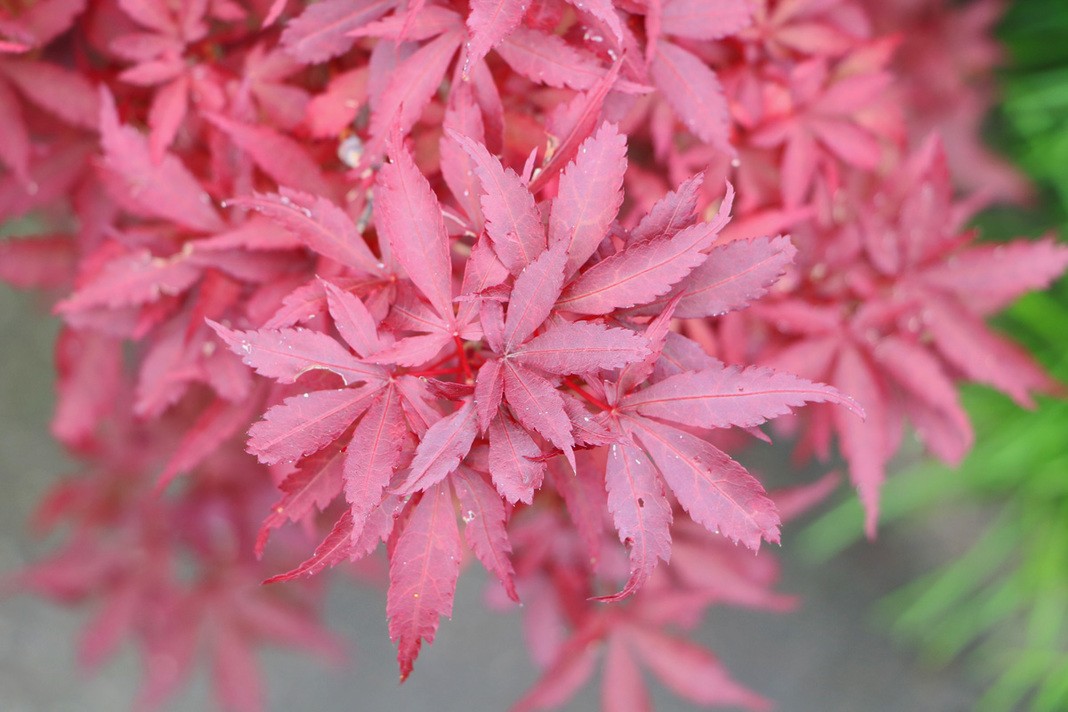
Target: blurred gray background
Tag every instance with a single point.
(826, 657)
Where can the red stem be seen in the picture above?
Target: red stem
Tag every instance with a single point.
(465, 365)
(434, 366)
(575, 386)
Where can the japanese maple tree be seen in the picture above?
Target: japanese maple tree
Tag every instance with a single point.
(506, 280)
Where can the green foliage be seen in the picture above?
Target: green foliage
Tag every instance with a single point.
(1004, 603)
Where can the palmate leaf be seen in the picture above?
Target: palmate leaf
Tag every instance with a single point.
(701, 20)
(135, 278)
(414, 350)
(605, 12)
(277, 155)
(622, 686)
(308, 422)
(864, 445)
(490, 22)
(589, 195)
(484, 518)
(373, 454)
(715, 490)
(355, 324)
(580, 347)
(64, 93)
(548, 59)
(581, 117)
(286, 354)
(312, 486)
(409, 89)
(537, 405)
(217, 424)
(423, 572)
(693, 91)
(321, 31)
(988, 278)
(584, 495)
(463, 121)
(639, 273)
(317, 222)
(489, 391)
(671, 213)
(691, 672)
(330, 111)
(968, 344)
(408, 215)
(568, 670)
(15, 145)
(535, 291)
(419, 23)
(470, 403)
(166, 189)
(441, 449)
(944, 426)
(256, 233)
(342, 545)
(512, 220)
(734, 275)
(640, 511)
(730, 396)
(513, 462)
(337, 547)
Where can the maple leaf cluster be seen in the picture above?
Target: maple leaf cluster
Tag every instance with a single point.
(469, 280)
